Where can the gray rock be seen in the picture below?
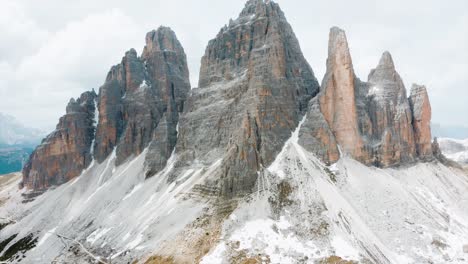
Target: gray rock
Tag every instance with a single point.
(139, 106)
(255, 86)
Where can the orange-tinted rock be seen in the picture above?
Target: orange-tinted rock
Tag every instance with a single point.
(370, 121)
(337, 97)
(140, 102)
(64, 153)
(138, 108)
(421, 108)
(255, 86)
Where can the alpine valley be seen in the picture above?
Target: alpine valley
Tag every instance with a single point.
(258, 164)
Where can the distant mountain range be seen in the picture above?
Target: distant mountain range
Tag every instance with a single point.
(457, 132)
(16, 143)
(13, 132)
(456, 150)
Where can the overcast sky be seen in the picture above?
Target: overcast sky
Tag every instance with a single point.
(52, 50)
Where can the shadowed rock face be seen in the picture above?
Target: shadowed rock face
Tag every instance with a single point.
(254, 88)
(138, 107)
(141, 99)
(65, 152)
(371, 121)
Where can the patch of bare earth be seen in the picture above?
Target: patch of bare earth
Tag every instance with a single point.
(336, 260)
(197, 239)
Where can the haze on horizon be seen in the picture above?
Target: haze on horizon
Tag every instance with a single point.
(53, 50)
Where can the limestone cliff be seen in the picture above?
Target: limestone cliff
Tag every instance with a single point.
(137, 107)
(373, 121)
(65, 152)
(254, 88)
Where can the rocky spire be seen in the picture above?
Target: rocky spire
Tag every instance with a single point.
(370, 121)
(337, 98)
(421, 109)
(254, 87)
(390, 115)
(138, 94)
(64, 153)
(138, 107)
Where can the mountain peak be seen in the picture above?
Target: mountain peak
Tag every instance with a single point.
(386, 72)
(163, 39)
(386, 61)
(141, 97)
(254, 7)
(338, 49)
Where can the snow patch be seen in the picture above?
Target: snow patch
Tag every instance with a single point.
(46, 236)
(144, 85)
(96, 235)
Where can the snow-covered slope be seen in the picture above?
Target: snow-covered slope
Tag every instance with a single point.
(455, 149)
(302, 211)
(305, 211)
(113, 211)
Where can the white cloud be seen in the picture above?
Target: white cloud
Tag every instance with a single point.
(71, 61)
(20, 34)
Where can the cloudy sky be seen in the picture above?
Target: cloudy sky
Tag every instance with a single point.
(52, 50)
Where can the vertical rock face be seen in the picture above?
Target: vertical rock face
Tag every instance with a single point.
(371, 121)
(138, 106)
(254, 88)
(421, 108)
(392, 137)
(337, 99)
(142, 97)
(67, 151)
(166, 65)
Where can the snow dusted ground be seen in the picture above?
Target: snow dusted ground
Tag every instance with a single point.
(417, 214)
(455, 149)
(302, 212)
(112, 210)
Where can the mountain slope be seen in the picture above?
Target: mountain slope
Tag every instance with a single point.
(301, 207)
(257, 165)
(456, 150)
(421, 217)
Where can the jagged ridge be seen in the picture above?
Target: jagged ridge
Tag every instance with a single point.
(371, 121)
(137, 107)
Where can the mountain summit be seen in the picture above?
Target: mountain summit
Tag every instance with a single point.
(258, 164)
(371, 121)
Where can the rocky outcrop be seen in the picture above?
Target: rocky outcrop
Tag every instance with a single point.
(421, 109)
(138, 94)
(138, 107)
(391, 136)
(337, 99)
(64, 153)
(371, 121)
(254, 88)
